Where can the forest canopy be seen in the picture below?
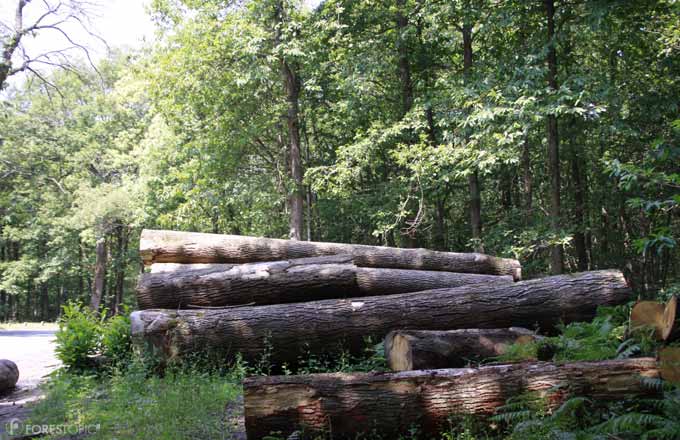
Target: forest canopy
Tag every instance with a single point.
(542, 130)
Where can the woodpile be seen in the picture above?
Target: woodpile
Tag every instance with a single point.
(232, 295)
(291, 330)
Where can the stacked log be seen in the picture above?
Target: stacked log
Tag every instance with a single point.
(342, 405)
(294, 329)
(192, 247)
(428, 349)
(278, 282)
(229, 295)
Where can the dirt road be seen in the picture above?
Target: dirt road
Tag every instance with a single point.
(33, 352)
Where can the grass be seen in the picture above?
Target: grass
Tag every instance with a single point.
(183, 404)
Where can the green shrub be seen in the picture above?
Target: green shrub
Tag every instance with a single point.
(87, 340)
(78, 336)
(116, 340)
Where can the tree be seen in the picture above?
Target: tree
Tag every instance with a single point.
(557, 252)
(53, 18)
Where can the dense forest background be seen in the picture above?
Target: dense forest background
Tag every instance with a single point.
(546, 130)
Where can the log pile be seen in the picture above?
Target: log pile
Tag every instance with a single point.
(229, 295)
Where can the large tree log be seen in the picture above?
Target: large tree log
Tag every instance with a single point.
(192, 247)
(344, 405)
(304, 279)
(259, 283)
(293, 329)
(427, 349)
(9, 375)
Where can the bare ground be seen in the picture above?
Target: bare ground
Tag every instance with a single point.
(33, 352)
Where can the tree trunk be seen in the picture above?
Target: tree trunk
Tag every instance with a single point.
(305, 279)
(192, 247)
(344, 405)
(99, 274)
(579, 210)
(44, 302)
(404, 66)
(321, 326)
(557, 252)
(528, 181)
(473, 177)
(121, 263)
(440, 239)
(291, 86)
(430, 349)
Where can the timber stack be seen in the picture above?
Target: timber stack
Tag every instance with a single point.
(235, 295)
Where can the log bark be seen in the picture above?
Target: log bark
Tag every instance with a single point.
(192, 247)
(176, 268)
(294, 329)
(304, 279)
(288, 281)
(343, 405)
(9, 375)
(428, 349)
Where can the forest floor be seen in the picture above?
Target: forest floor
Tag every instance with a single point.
(31, 347)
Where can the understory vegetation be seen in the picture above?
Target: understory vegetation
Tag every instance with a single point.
(202, 399)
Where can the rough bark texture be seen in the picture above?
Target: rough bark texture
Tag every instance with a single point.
(473, 177)
(293, 329)
(557, 252)
(9, 375)
(192, 247)
(291, 87)
(275, 282)
(177, 268)
(344, 405)
(428, 349)
(304, 279)
(99, 274)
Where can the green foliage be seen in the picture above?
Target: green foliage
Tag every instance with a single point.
(132, 404)
(116, 340)
(87, 340)
(78, 337)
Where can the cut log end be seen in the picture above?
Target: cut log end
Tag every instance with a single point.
(660, 317)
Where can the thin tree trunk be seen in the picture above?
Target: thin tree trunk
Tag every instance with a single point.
(99, 274)
(557, 251)
(473, 177)
(404, 66)
(81, 271)
(291, 86)
(579, 209)
(121, 251)
(528, 181)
